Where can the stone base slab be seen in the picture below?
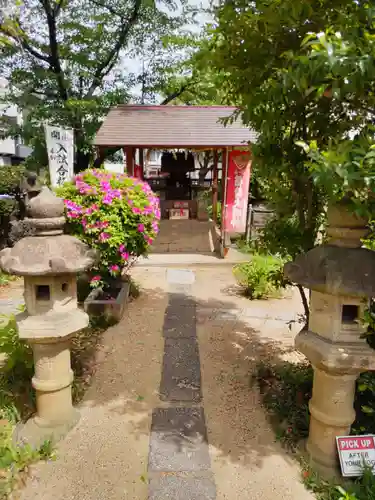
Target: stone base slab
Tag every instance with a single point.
(36, 433)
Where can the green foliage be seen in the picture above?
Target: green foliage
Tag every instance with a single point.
(69, 61)
(210, 213)
(19, 359)
(262, 277)
(360, 489)
(10, 180)
(286, 390)
(282, 235)
(15, 459)
(347, 170)
(115, 214)
(5, 279)
(302, 74)
(15, 377)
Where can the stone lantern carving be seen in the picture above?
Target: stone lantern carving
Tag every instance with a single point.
(341, 277)
(49, 262)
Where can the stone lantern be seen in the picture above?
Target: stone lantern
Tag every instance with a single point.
(341, 277)
(49, 262)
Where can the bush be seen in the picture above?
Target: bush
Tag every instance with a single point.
(283, 236)
(286, 390)
(262, 277)
(10, 181)
(114, 214)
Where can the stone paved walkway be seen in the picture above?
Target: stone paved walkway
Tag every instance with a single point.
(171, 414)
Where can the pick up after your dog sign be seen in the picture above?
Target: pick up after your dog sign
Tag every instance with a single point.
(356, 453)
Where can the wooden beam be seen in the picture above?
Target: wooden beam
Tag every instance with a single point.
(129, 153)
(215, 178)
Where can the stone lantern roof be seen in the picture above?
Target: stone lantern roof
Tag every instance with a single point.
(49, 251)
(342, 266)
(335, 270)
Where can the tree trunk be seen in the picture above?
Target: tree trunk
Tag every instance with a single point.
(304, 302)
(82, 161)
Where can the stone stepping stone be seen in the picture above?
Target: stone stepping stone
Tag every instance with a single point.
(181, 375)
(178, 440)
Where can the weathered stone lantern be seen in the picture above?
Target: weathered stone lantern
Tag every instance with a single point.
(341, 277)
(49, 262)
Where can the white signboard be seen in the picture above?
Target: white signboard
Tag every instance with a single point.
(355, 453)
(60, 148)
(178, 213)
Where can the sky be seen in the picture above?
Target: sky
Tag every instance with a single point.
(135, 66)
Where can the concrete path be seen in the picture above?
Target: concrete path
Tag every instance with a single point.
(171, 413)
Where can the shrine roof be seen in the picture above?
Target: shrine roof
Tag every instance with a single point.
(172, 127)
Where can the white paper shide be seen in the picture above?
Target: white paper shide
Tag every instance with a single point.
(60, 147)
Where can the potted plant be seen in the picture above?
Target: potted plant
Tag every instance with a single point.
(118, 216)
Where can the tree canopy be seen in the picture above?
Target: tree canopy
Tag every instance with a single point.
(287, 89)
(68, 61)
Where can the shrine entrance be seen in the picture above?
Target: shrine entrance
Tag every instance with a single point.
(181, 138)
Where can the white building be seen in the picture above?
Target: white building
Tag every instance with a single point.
(12, 151)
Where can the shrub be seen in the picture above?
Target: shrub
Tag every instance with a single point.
(10, 181)
(286, 390)
(262, 277)
(210, 213)
(114, 214)
(19, 358)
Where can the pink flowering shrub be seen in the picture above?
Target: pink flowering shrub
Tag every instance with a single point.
(113, 213)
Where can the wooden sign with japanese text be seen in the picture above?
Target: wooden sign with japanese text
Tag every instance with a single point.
(60, 149)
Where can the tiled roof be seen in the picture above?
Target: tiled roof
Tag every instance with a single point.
(172, 126)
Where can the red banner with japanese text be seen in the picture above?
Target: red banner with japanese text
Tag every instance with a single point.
(138, 172)
(237, 192)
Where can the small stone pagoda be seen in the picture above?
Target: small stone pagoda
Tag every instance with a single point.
(49, 262)
(341, 277)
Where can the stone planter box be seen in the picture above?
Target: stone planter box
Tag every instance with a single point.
(110, 303)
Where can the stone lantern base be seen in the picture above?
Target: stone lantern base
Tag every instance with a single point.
(35, 433)
(49, 338)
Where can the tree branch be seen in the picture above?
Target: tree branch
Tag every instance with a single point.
(55, 57)
(177, 93)
(106, 66)
(58, 7)
(304, 302)
(110, 9)
(22, 40)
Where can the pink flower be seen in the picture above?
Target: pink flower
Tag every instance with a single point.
(107, 199)
(115, 268)
(121, 248)
(141, 228)
(104, 236)
(95, 279)
(125, 256)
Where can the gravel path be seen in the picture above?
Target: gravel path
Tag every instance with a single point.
(147, 418)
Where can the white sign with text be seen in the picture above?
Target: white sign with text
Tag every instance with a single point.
(60, 148)
(356, 453)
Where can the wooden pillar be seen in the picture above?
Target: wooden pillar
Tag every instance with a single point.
(142, 161)
(129, 153)
(215, 186)
(224, 176)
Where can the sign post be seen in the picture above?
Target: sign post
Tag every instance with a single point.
(60, 148)
(237, 191)
(356, 453)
